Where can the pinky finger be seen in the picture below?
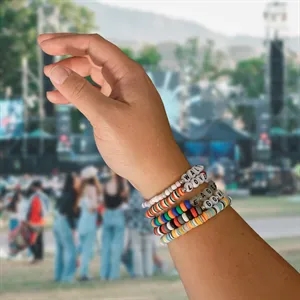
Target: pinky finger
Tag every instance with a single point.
(56, 97)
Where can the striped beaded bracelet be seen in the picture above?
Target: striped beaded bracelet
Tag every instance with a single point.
(186, 216)
(171, 213)
(201, 219)
(184, 180)
(172, 199)
(208, 200)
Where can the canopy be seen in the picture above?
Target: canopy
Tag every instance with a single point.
(278, 131)
(39, 133)
(218, 130)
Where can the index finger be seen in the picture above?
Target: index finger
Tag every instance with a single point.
(102, 52)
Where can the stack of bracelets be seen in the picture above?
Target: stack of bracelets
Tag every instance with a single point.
(171, 217)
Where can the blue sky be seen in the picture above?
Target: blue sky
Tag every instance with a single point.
(227, 17)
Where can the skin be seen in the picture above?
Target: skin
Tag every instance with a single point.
(223, 259)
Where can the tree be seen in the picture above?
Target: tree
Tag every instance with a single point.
(149, 57)
(188, 57)
(18, 32)
(249, 74)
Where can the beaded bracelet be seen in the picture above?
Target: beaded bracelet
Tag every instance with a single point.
(207, 202)
(185, 178)
(201, 219)
(171, 213)
(181, 218)
(169, 201)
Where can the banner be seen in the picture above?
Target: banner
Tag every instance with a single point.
(11, 119)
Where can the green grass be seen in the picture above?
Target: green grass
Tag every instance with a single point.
(266, 207)
(34, 282)
(253, 208)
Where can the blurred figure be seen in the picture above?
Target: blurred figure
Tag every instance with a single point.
(13, 209)
(87, 224)
(63, 228)
(115, 195)
(35, 217)
(141, 237)
(217, 173)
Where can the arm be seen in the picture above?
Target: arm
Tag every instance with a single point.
(98, 186)
(220, 260)
(92, 198)
(225, 259)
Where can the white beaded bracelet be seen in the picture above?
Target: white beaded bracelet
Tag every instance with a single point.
(189, 179)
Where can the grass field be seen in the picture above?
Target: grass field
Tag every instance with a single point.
(34, 282)
(265, 207)
(250, 208)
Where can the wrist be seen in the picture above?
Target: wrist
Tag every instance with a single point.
(156, 177)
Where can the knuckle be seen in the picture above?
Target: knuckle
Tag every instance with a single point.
(78, 89)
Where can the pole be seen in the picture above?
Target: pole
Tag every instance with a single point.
(40, 18)
(25, 100)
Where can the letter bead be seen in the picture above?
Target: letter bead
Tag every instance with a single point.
(188, 186)
(207, 204)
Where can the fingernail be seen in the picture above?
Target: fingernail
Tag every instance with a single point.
(58, 74)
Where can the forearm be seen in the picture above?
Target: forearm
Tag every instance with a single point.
(225, 259)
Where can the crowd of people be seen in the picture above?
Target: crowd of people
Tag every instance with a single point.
(88, 201)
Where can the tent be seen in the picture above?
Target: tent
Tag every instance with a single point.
(40, 134)
(278, 131)
(218, 130)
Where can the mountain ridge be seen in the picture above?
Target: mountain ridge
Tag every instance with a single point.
(148, 27)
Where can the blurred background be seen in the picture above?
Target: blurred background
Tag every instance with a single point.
(229, 76)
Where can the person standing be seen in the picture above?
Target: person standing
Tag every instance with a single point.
(87, 224)
(115, 194)
(35, 217)
(63, 229)
(141, 237)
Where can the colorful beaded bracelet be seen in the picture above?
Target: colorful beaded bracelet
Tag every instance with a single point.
(177, 222)
(184, 180)
(182, 207)
(201, 219)
(171, 213)
(169, 201)
(183, 217)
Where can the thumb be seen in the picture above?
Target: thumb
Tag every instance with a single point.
(78, 91)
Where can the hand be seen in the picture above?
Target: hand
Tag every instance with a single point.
(130, 125)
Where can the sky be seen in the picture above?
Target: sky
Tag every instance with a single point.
(223, 16)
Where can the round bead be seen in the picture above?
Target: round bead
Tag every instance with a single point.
(199, 210)
(207, 192)
(195, 201)
(213, 186)
(195, 182)
(196, 170)
(178, 184)
(173, 186)
(214, 199)
(207, 204)
(188, 186)
(199, 168)
(169, 226)
(220, 194)
(191, 173)
(184, 217)
(203, 175)
(185, 177)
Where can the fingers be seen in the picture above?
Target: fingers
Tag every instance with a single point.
(101, 52)
(79, 65)
(56, 97)
(75, 89)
